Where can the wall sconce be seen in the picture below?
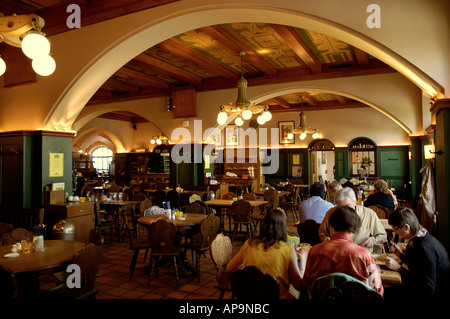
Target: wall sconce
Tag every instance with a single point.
(25, 31)
(428, 151)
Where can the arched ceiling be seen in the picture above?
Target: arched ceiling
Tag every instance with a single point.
(208, 58)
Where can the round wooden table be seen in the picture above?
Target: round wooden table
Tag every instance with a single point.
(28, 267)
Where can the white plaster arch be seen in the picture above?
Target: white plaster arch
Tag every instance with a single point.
(200, 14)
(95, 130)
(289, 90)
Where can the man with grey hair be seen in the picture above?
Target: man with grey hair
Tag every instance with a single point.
(371, 231)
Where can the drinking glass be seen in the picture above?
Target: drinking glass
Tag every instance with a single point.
(27, 245)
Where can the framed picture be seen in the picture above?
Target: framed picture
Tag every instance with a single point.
(284, 128)
(232, 135)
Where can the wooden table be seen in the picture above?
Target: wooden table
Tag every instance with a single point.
(119, 207)
(226, 203)
(190, 220)
(388, 277)
(280, 193)
(28, 267)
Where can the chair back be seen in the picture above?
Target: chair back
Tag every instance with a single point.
(208, 229)
(145, 204)
(154, 210)
(196, 208)
(5, 228)
(194, 198)
(229, 195)
(115, 189)
(129, 193)
(162, 234)
(88, 259)
(221, 251)
(139, 196)
(87, 189)
(249, 196)
(251, 283)
(159, 197)
(15, 236)
(7, 284)
(382, 212)
(173, 197)
(271, 196)
(242, 210)
(309, 232)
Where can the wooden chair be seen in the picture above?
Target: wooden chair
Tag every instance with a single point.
(159, 197)
(15, 236)
(242, 215)
(221, 251)
(228, 212)
(129, 193)
(8, 284)
(382, 212)
(139, 196)
(87, 190)
(196, 208)
(251, 283)
(138, 241)
(173, 197)
(309, 232)
(200, 243)
(88, 259)
(5, 228)
(162, 234)
(145, 204)
(103, 224)
(291, 202)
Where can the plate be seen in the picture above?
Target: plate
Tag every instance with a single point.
(181, 218)
(11, 255)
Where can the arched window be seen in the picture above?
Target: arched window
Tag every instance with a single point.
(102, 157)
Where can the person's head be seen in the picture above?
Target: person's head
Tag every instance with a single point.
(317, 189)
(333, 187)
(346, 197)
(273, 228)
(404, 222)
(381, 186)
(344, 218)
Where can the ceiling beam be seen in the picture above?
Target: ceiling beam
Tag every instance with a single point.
(299, 46)
(196, 57)
(361, 56)
(168, 69)
(236, 45)
(322, 106)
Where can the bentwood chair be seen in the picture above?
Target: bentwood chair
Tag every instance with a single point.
(291, 202)
(138, 242)
(251, 283)
(382, 212)
(103, 224)
(163, 234)
(199, 244)
(221, 251)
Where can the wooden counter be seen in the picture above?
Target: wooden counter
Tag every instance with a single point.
(81, 214)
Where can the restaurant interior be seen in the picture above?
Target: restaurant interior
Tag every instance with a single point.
(209, 97)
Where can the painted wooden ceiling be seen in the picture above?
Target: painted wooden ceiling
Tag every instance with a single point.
(208, 58)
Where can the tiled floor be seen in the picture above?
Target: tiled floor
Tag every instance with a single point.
(114, 283)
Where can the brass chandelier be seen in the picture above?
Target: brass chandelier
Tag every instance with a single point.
(303, 130)
(243, 108)
(160, 139)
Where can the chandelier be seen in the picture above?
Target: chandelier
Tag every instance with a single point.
(243, 108)
(25, 31)
(160, 139)
(303, 130)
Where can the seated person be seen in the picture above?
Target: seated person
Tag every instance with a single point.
(270, 252)
(340, 254)
(332, 189)
(315, 207)
(371, 231)
(428, 270)
(380, 197)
